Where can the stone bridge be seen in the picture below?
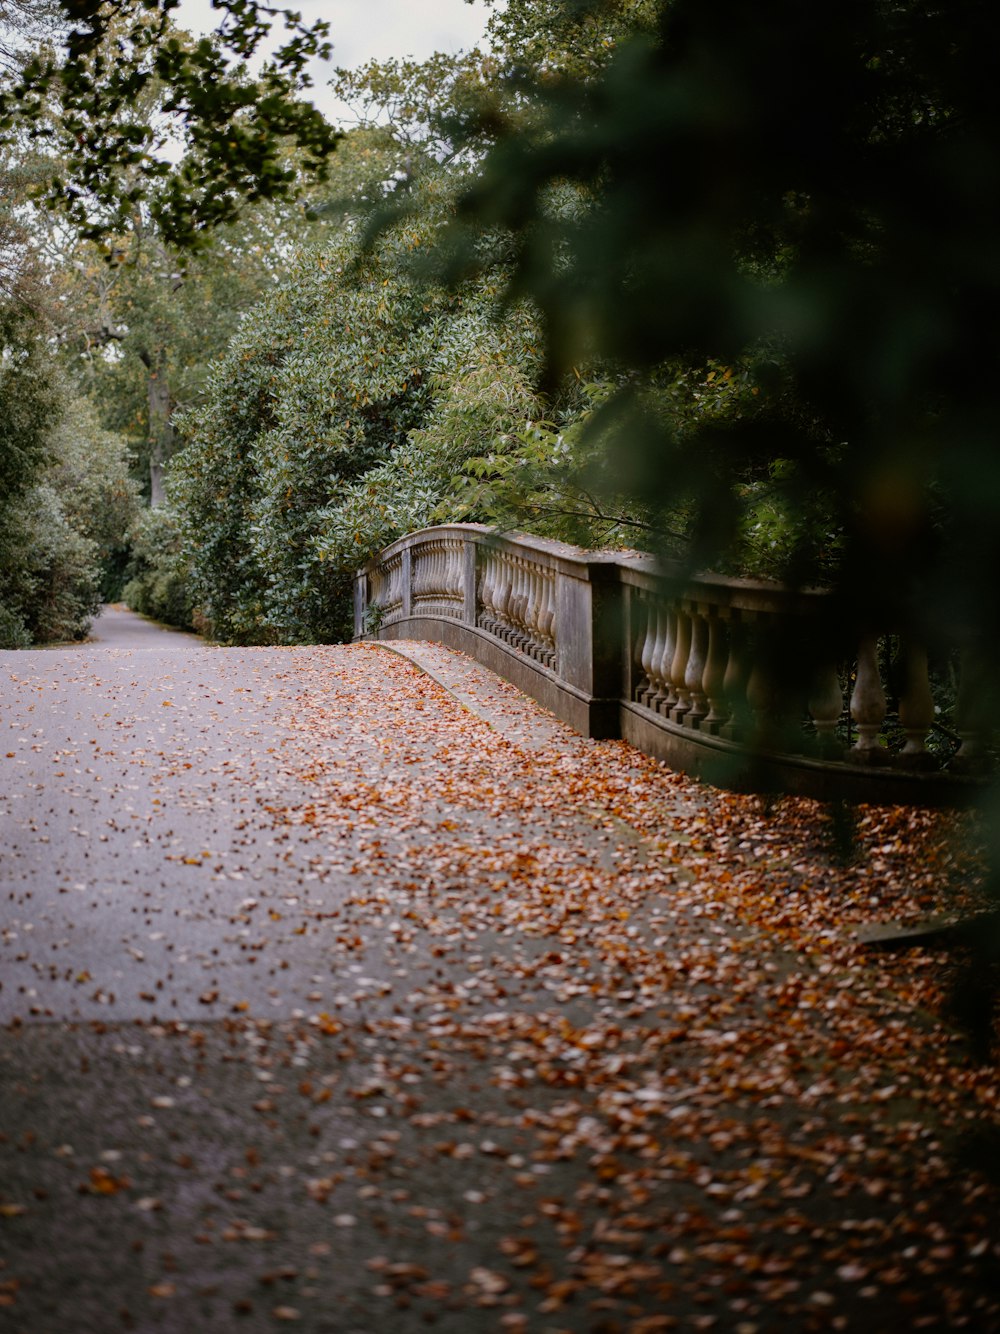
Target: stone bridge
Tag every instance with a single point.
(742, 682)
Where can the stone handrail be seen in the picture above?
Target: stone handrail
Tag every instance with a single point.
(745, 683)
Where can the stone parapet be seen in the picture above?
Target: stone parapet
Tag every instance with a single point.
(746, 683)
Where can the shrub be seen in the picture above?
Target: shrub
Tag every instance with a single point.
(336, 421)
(159, 582)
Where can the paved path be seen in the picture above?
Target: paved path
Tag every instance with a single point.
(349, 993)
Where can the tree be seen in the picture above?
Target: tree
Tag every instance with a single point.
(23, 25)
(337, 419)
(66, 496)
(810, 199)
(812, 202)
(139, 320)
(100, 66)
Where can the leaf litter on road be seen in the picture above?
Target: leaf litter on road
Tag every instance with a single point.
(592, 1046)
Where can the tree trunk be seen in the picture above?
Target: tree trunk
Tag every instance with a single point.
(161, 431)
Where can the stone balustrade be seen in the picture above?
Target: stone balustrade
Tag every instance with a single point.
(743, 682)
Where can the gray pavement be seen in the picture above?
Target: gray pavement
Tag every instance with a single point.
(339, 996)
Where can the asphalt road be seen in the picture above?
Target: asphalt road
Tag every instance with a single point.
(327, 1001)
(207, 1114)
(136, 776)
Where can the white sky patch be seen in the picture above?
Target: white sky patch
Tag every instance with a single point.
(363, 30)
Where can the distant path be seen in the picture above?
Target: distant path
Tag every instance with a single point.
(116, 627)
(336, 995)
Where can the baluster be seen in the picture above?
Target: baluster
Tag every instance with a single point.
(393, 596)
(429, 562)
(713, 682)
(486, 576)
(646, 689)
(496, 576)
(826, 705)
(916, 707)
(658, 688)
(524, 599)
(667, 659)
(868, 705)
(526, 605)
(678, 666)
(447, 571)
(531, 610)
(427, 571)
(694, 672)
(438, 587)
(458, 577)
(548, 617)
(518, 599)
(455, 581)
(504, 584)
(973, 713)
(734, 683)
(440, 572)
(640, 631)
(514, 600)
(446, 593)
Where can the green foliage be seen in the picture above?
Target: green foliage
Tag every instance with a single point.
(336, 421)
(91, 474)
(65, 501)
(29, 403)
(51, 573)
(315, 386)
(234, 130)
(480, 375)
(47, 570)
(138, 321)
(551, 42)
(813, 199)
(548, 478)
(419, 104)
(159, 582)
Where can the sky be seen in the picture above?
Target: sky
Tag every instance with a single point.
(363, 30)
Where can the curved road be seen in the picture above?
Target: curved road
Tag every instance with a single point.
(332, 999)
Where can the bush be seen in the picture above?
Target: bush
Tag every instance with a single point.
(336, 421)
(159, 583)
(64, 529)
(100, 497)
(53, 575)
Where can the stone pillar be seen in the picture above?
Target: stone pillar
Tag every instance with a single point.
(360, 602)
(713, 681)
(406, 580)
(468, 576)
(916, 707)
(868, 705)
(826, 704)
